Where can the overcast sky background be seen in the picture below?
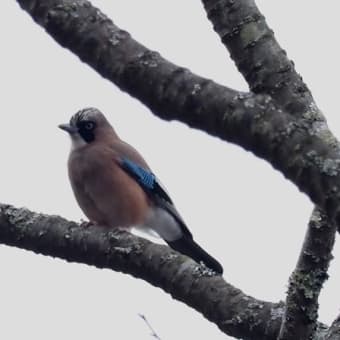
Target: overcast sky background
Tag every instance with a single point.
(238, 208)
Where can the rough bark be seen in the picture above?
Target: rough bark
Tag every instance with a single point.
(301, 312)
(278, 121)
(234, 312)
(334, 330)
(303, 149)
(266, 68)
(257, 55)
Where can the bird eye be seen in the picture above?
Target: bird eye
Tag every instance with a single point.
(89, 125)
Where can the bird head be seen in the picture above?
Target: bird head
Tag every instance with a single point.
(87, 126)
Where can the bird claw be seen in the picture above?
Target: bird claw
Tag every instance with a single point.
(86, 224)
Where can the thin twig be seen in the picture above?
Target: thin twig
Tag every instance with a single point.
(153, 333)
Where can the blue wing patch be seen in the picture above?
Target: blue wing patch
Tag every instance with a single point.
(148, 181)
(145, 178)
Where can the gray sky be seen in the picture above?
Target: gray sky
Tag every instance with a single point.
(238, 208)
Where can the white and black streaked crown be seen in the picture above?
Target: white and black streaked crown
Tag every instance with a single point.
(86, 114)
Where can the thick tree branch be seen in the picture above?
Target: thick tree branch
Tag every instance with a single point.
(266, 68)
(304, 150)
(301, 314)
(170, 91)
(229, 308)
(235, 313)
(284, 128)
(258, 56)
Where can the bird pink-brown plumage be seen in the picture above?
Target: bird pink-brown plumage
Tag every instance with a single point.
(115, 188)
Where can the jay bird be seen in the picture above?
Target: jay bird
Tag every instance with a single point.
(115, 187)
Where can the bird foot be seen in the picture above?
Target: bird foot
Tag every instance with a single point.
(86, 224)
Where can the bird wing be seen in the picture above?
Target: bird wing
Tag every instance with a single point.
(155, 190)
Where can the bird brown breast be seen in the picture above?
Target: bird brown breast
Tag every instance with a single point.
(106, 194)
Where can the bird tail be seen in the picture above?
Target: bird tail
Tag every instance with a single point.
(187, 246)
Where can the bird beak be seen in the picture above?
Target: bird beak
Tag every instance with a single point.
(68, 128)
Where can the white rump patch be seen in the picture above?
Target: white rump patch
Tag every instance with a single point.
(164, 224)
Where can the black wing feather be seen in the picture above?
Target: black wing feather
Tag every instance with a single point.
(150, 184)
(185, 244)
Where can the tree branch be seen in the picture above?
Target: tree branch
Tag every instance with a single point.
(263, 63)
(170, 91)
(301, 313)
(235, 313)
(334, 330)
(303, 150)
(284, 128)
(257, 54)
